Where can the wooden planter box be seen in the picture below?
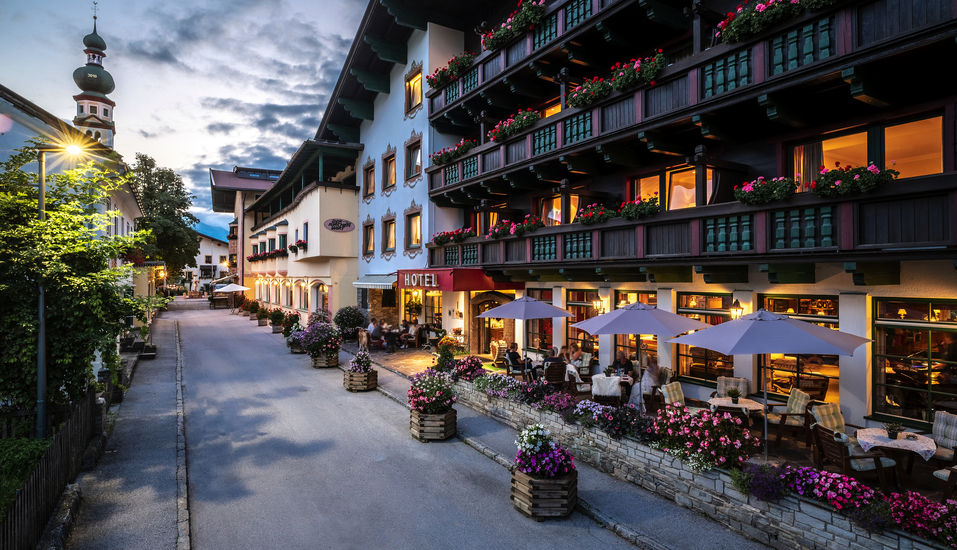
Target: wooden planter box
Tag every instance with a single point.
(262, 322)
(323, 362)
(542, 498)
(296, 348)
(276, 329)
(245, 313)
(354, 381)
(252, 317)
(432, 427)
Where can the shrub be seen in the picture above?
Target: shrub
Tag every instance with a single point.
(765, 482)
(539, 456)
(277, 317)
(497, 385)
(431, 392)
(291, 321)
(748, 21)
(587, 411)
(318, 316)
(703, 440)
(588, 92)
(845, 181)
(916, 514)
(762, 191)
(533, 392)
(445, 361)
(262, 313)
(838, 490)
(639, 208)
(253, 307)
(321, 340)
(636, 72)
(361, 363)
(527, 15)
(293, 336)
(514, 124)
(18, 458)
(456, 236)
(468, 368)
(449, 154)
(594, 213)
(875, 517)
(456, 66)
(504, 228)
(556, 402)
(348, 319)
(626, 420)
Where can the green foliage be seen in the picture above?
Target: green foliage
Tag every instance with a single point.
(348, 319)
(166, 205)
(70, 255)
(276, 317)
(762, 191)
(252, 307)
(841, 182)
(262, 313)
(639, 208)
(18, 458)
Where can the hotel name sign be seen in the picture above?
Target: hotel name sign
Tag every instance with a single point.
(424, 280)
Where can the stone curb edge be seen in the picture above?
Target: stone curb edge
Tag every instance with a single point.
(634, 537)
(182, 474)
(60, 528)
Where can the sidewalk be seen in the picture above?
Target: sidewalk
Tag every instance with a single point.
(637, 515)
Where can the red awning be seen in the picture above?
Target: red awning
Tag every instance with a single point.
(451, 279)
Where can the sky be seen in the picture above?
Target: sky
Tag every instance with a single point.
(200, 84)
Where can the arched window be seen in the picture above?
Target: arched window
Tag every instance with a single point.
(96, 136)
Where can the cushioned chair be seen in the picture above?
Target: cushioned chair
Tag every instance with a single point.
(727, 382)
(794, 416)
(944, 432)
(846, 455)
(673, 394)
(515, 370)
(949, 476)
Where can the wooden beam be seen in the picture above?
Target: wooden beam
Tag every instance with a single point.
(780, 113)
(621, 275)
(459, 118)
(358, 109)
(874, 273)
(583, 275)
(865, 87)
(502, 99)
(497, 187)
(659, 144)
(665, 15)
(391, 52)
(580, 164)
(786, 274)
(445, 127)
(548, 275)
(709, 129)
(522, 179)
(374, 82)
(714, 274)
(545, 71)
(618, 155)
(548, 172)
(525, 87)
(405, 16)
(518, 276)
(668, 274)
(345, 133)
(613, 36)
(578, 55)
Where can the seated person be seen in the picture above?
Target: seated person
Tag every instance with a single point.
(411, 334)
(372, 325)
(516, 359)
(575, 356)
(378, 332)
(627, 369)
(648, 382)
(564, 355)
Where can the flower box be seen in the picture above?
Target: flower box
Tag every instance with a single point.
(432, 427)
(539, 498)
(277, 329)
(262, 322)
(245, 313)
(252, 317)
(296, 348)
(323, 362)
(360, 381)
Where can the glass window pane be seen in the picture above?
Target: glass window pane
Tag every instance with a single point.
(915, 148)
(681, 192)
(415, 230)
(913, 311)
(845, 151)
(552, 211)
(646, 188)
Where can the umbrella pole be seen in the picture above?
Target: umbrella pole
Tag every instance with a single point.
(765, 421)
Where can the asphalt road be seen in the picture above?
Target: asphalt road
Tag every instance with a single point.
(281, 456)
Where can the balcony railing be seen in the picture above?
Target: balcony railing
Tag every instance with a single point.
(809, 227)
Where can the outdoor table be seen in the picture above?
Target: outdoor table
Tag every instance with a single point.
(924, 447)
(749, 404)
(605, 385)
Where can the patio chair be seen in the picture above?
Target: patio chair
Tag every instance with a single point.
(674, 394)
(514, 369)
(846, 455)
(949, 475)
(555, 375)
(727, 382)
(829, 415)
(944, 432)
(794, 416)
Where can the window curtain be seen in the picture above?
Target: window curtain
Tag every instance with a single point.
(807, 162)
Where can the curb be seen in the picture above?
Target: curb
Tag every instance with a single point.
(60, 528)
(182, 476)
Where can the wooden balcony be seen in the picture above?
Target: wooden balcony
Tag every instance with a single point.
(909, 219)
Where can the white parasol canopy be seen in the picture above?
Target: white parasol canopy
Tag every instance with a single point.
(232, 287)
(525, 308)
(639, 318)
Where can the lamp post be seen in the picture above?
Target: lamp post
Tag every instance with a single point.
(41, 303)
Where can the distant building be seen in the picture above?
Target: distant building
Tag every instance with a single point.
(94, 111)
(212, 262)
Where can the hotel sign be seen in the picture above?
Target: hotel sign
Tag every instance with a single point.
(424, 280)
(339, 225)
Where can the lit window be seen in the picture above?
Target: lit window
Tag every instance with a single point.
(413, 92)
(646, 187)
(551, 210)
(222, 259)
(915, 148)
(552, 110)
(389, 175)
(413, 231)
(413, 160)
(369, 180)
(368, 239)
(388, 235)
(845, 150)
(681, 192)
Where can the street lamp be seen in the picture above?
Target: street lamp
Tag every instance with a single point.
(42, 151)
(599, 306)
(736, 309)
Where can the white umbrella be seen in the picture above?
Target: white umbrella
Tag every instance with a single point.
(232, 287)
(525, 308)
(639, 318)
(765, 332)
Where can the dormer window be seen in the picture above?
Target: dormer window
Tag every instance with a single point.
(79, 109)
(106, 112)
(92, 109)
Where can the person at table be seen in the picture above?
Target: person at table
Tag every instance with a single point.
(516, 359)
(552, 355)
(377, 333)
(625, 368)
(372, 325)
(563, 355)
(648, 382)
(410, 335)
(575, 355)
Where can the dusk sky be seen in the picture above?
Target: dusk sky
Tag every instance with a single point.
(199, 84)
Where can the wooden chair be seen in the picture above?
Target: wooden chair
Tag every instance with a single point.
(944, 433)
(515, 370)
(949, 475)
(794, 417)
(846, 455)
(727, 382)
(555, 375)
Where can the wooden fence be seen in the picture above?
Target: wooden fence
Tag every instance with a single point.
(27, 516)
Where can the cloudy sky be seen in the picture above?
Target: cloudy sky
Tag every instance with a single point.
(199, 84)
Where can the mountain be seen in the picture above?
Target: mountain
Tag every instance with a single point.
(212, 231)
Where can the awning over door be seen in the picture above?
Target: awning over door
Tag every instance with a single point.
(375, 281)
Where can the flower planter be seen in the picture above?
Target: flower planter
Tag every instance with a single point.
(539, 498)
(296, 348)
(323, 362)
(245, 314)
(252, 318)
(149, 352)
(355, 381)
(432, 427)
(277, 329)
(262, 322)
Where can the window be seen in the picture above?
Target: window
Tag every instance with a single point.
(646, 188)
(915, 358)
(915, 148)
(413, 91)
(388, 236)
(817, 375)
(287, 296)
(368, 239)
(209, 259)
(701, 363)
(79, 109)
(551, 110)
(538, 332)
(282, 242)
(630, 343)
(580, 303)
(305, 232)
(681, 189)
(844, 150)
(389, 298)
(255, 249)
(388, 172)
(106, 112)
(92, 109)
(222, 259)
(368, 178)
(205, 272)
(551, 210)
(413, 230)
(272, 244)
(432, 309)
(303, 298)
(296, 236)
(413, 160)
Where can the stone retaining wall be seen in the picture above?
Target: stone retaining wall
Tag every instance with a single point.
(790, 523)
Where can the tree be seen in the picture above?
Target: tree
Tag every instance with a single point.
(166, 214)
(70, 255)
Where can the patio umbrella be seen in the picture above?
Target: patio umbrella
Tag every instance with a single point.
(232, 287)
(525, 308)
(639, 318)
(765, 332)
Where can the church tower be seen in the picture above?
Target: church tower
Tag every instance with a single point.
(94, 111)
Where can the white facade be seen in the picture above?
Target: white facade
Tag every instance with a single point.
(212, 262)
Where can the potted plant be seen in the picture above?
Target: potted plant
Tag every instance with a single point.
(544, 478)
(893, 429)
(253, 309)
(276, 318)
(360, 376)
(430, 401)
(262, 315)
(734, 394)
(288, 324)
(322, 342)
(413, 307)
(348, 319)
(292, 339)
